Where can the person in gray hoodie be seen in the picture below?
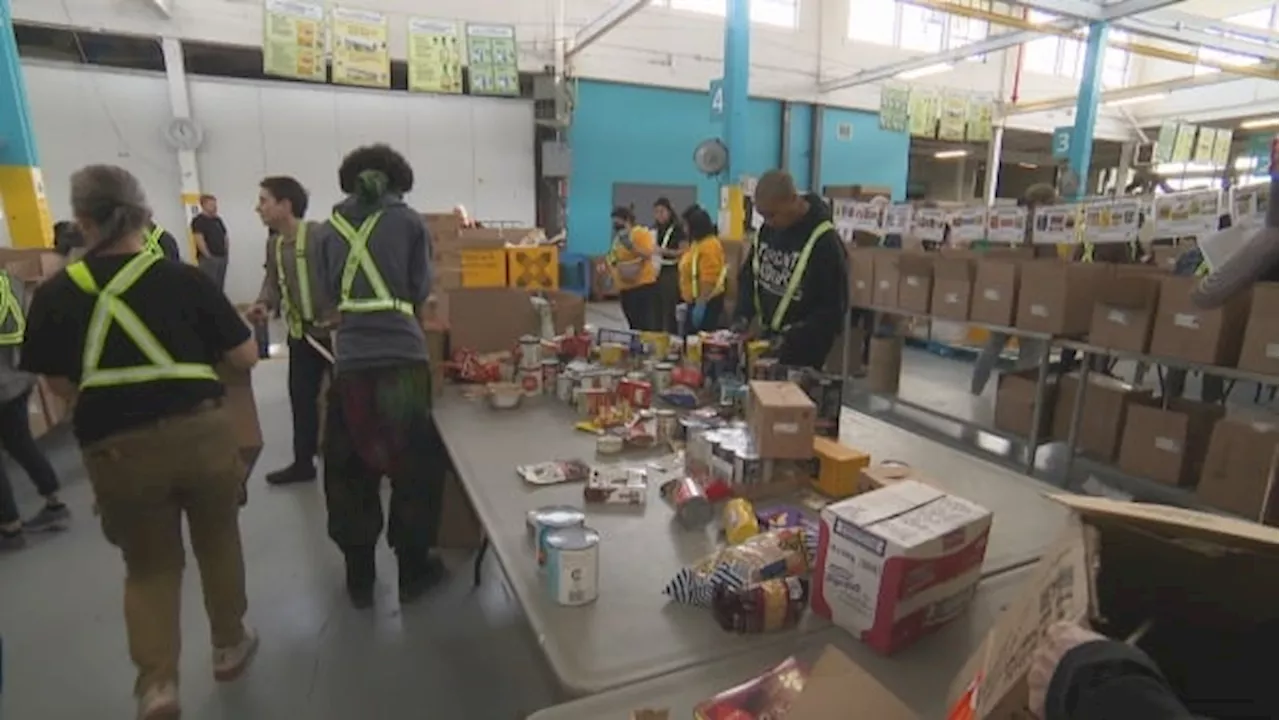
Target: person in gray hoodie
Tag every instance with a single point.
(374, 256)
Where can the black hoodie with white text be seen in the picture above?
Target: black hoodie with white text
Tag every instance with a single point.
(817, 311)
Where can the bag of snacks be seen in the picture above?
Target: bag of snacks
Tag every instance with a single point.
(768, 696)
(780, 553)
(772, 605)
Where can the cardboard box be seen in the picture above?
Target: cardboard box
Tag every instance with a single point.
(1165, 257)
(243, 408)
(1186, 332)
(862, 272)
(781, 419)
(995, 291)
(460, 528)
(952, 287)
(534, 268)
(1057, 297)
(849, 343)
(1168, 445)
(1102, 417)
(889, 473)
(1261, 346)
(896, 563)
(837, 685)
(1238, 472)
(483, 268)
(1015, 403)
(886, 278)
(36, 418)
(884, 364)
(437, 355)
(839, 468)
(915, 282)
(493, 319)
(1205, 585)
(32, 265)
(1124, 311)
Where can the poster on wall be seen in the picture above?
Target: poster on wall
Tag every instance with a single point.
(929, 224)
(1184, 143)
(1112, 221)
(896, 219)
(895, 107)
(360, 55)
(980, 112)
(1165, 142)
(1222, 147)
(435, 56)
(924, 112)
(1055, 224)
(1007, 225)
(953, 115)
(968, 225)
(492, 59)
(1187, 214)
(293, 40)
(1205, 139)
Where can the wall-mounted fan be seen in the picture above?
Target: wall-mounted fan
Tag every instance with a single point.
(711, 157)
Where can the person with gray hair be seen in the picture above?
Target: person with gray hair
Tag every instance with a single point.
(134, 340)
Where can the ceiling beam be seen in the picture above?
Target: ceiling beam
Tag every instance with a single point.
(1133, 91)
(603, 23)
(1125, 8)
(1078, 9)
(1171, 28)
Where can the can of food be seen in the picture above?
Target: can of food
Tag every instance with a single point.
(765, 369)
(738, 519)
(530, 352)
(611, 354)
(573, 565)
(550, 375)
(565, 518)
(716, 362)
(748, 468)
(609, 444)
(668, 425)
(693, 509)
(554, 516)
(693, 349)
(662, 376)
(531, 381)
(755, 352)
(564, 387)
(722, 459)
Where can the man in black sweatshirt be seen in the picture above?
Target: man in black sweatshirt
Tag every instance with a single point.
(794, 280)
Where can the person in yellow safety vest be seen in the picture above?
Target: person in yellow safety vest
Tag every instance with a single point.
(158, 241)
(134, 341)
(671, 242)
(631, 258)
(702, 272)
(794, 284)
(374, 258)
(15, 429)
(289, 287)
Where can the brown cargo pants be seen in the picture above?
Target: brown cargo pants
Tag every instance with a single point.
(144, 480)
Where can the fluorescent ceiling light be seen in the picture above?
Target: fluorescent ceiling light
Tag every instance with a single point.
(1260, 123)
(949, 154)
(922, 72)
(1135, 100)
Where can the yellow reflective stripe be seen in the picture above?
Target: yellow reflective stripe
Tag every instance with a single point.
(376, 305)
(724, 274)
(115, 377)
(295, 317)
(1087, 255)
(359, 259)
(151, 240)
(10, 309)
(797, 274)
(1203, 268)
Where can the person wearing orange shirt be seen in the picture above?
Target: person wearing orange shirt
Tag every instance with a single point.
(634, 272)
(702, 271)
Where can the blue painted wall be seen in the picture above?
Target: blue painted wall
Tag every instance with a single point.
(637, 134)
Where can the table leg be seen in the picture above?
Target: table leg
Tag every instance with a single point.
(1037, 408)
(479, 562)
(1073, 432)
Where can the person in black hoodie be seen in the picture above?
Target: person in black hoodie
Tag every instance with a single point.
(794, 284)
(669, 235)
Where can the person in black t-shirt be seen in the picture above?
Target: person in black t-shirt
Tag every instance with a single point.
(155, 439)
(211, 240)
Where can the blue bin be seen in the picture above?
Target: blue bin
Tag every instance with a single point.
(575, 274)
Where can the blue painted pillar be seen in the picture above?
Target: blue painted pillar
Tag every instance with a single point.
(1081, 150)
(737, 70)
(21, 187)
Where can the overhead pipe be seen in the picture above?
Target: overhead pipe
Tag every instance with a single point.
(1132, 91)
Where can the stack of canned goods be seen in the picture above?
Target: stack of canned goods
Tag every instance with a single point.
(568, 553)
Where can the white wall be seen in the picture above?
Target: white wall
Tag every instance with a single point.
(474, 151)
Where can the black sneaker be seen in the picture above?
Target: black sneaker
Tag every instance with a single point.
(50, 518)
(294, 473)
(418, 574)
(362, 571)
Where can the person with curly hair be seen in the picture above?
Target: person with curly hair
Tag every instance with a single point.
(374, 256)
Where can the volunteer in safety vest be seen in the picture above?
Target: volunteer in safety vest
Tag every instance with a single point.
(374, 256)
(702, 272)
(290, 288)
(631, 259)
(157, 241)
(670, 239)
(135, 340)
(793, 283)
(15, 429)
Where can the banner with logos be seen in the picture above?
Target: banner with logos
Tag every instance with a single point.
(360, 54)
(953, 115)
(929, 224)
(896, 219)
(1222, 147)
(1187, 214)
(492, 59)
(895, 107)
(968, 225)
(435, 56)
(924, 112)
(1112, 221)
(1007, 225)
(1055, 224)
(293, 40)
(1184, 143)
(1250, 201)
(1165, 142)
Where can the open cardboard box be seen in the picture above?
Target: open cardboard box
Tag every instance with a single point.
(1205, 583)
(838, 687)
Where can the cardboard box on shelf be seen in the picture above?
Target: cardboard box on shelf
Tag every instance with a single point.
(1261, 346)
(837, 684)
(885, 294)
(839, 468)
(995, 291)
(1015, 403)
(916, 553)
(1124, 311)
(1238, 468)
(862, 272)
(781, 419)
(952, 287)
(437, 355)
(848, 343)
(1186, 332)
(534, 268)
(1102, 417)
(1057, 297)
(441, 226)
(1168, 445)
(493, 319)
(1196, 580)
(915, 281)
(884, 364)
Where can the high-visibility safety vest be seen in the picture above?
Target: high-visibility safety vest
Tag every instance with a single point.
(111, 308)
(793, 285)
(1203, 268)
(359, 260)
(295, 317)
(151, 241)
(1133, 248)
(13, 322)
(693, 267)
(664, 244)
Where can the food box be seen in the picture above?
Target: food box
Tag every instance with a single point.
(839, 468)
(781, 418)
(534, 267)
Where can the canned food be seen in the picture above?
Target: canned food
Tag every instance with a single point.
(564, 387)
(530, 352)
(550, 376)
(556, 518)
(573, 565)
(738, 519)
(531, 381)
(609, 444)
(722, 460)
(693, 509)
(765, 369)
(667, 425)
(748, 468)
(553, 516)
(611, 354)
(662, 376)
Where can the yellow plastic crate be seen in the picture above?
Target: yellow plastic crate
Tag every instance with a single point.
(534, 268)
(484, 268)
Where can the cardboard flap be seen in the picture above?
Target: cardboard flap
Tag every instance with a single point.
(838, 688)
(1179, 522)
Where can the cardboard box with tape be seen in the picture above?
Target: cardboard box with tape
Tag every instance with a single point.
(1015, 403)
(915, 281)
(1238, 475)
(1124, 311)
(952, 287)
(995, 291)
(1168, 444)
(886, 279)
(1102, 416)
(1260, 350)
(1187, 332)
(781, 419)
(1057, 297)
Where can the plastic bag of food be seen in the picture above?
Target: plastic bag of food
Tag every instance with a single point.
(772, 605)
(780, 553)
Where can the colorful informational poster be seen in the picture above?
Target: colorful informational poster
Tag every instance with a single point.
(1205, 138)
(953, 115)
(981, 109)
(929, 224)
(1112, 221)
(1165, 141)
(293, 40)
(360, 54)
(1055, 224)
(492, 60)
(1184, 143)
(1250, 201)
(895, 108)
(924, 112)
(896, 219)
(1222, 147)
(435, 56)
(1187, 214)
(1007, 225)
(968, 225)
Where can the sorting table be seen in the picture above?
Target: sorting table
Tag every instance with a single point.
(632, 632)
(920, 675)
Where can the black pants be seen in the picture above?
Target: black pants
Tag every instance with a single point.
(380, 424)
(639, 306)
(710, 321)
(668, 298)
(16, 439)
(307, 369)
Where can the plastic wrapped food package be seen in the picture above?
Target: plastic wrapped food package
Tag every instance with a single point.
(781, 553)
(768, 696)
(772, 605)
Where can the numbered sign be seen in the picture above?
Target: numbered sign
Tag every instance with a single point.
(717, 100)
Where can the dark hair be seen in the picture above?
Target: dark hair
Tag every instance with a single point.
(663, 202)
(207, 196)
(112, 199)
(699, 222)
(283, 187)
(371, 171)
(623, 213)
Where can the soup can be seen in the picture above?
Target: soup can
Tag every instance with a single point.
(531, 381)
(564, 387)
(662, 377)
(530, 352)
(573, 565)
(693, 509)
(549, 519)
(668, 425)
(748, 468)
(550, 376)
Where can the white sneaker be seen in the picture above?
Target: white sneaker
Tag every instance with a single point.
(229, 663)
(159, 702)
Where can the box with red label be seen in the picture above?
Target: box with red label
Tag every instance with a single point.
(636, 393)
(896, 563)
